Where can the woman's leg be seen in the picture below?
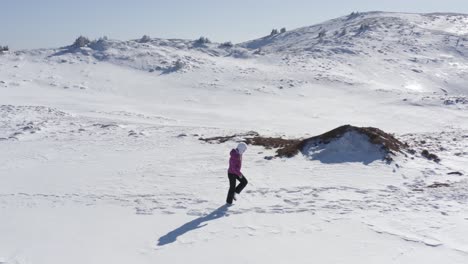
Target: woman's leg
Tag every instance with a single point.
(232, 187)
(242, 184)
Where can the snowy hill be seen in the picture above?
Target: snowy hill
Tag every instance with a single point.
(394, 31)
(413, 51)
(103, 157)
(417, 52)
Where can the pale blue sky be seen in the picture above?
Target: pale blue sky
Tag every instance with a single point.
(54, 23)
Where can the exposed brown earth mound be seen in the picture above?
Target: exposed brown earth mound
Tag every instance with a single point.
(376, 136)
(291, 147)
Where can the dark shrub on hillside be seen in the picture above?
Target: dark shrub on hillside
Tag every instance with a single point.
(322, 33)
(227, 44)
(202, 41)
(353, 15)
(81, 42)
(425, 153)
(363, 28)
(145, 39)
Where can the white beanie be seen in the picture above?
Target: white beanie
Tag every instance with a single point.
(242, 147)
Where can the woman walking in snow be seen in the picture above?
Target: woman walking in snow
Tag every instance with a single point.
(234, 172)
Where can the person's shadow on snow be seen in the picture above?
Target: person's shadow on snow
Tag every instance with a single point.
(192, 225)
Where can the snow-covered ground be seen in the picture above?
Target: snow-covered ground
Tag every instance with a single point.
(101, 162)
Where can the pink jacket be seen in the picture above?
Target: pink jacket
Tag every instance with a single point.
(235, 162)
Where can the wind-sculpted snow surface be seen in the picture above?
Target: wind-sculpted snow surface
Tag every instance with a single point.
(101, 162)
(92, 165)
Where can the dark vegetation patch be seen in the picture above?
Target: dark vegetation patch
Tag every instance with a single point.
(111, 125)
(223, 139)
(438, 185)
(290, 147)
(430, 156)
(285, 147)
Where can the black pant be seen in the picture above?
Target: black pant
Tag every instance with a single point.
(232, 186)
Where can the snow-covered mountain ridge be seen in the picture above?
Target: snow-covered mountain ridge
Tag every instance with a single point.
(419, 52)
(395, 32)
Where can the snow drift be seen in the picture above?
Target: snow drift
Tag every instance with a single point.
(351, 146)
